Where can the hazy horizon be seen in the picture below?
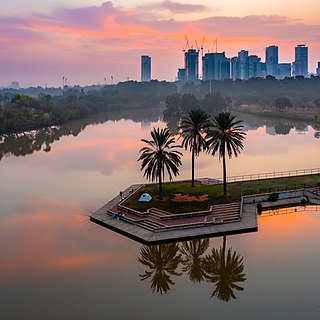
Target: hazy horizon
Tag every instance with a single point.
(92, 40)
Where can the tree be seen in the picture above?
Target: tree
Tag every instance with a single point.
(214, 102)
(159, 156)
(188, 102)
(173, 102)
(225, 137)
(282, 102)
(194, 128)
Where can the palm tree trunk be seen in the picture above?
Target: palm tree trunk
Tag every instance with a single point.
(192, 167)
(160, 182)
(224, 173)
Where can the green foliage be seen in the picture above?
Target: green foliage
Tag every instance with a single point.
(160, 156)
(214, 102)
(189, 102)
(282, 102)
(316, 102)
(173, 102)
(193, 129)
(225, 138)
(273, 197)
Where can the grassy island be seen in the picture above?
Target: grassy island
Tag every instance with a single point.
(181, 197)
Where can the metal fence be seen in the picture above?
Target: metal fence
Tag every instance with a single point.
(275, 174)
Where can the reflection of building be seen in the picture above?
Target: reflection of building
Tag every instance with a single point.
(300, 64)
(215, 66)
(191, 62)
(271, 130)
(145, 68)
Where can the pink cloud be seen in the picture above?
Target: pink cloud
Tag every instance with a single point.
(115, 37)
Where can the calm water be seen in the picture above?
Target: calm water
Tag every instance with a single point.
(56, 265)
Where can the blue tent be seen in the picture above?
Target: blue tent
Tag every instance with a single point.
(145, 197)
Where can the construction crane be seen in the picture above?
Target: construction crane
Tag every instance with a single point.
(215, 43)
(187, 47)
(202, 46)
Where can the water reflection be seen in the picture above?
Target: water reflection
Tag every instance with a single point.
(222, 267)
(25, 143)
(193, 260)
(225, 270)
(162, 261)
(22, 144)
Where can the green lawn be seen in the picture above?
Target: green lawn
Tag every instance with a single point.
(215, 192)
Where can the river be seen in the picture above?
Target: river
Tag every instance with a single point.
(55, 264)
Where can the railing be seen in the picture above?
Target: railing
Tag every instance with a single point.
(288, 210)
(250, 191)
(275, 174)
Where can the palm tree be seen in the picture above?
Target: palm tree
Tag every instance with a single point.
(225, 137)
(159, 156)
(225, 270)
(193, 260)
(162, 260)
(194, 127)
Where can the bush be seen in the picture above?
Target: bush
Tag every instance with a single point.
(273, 197)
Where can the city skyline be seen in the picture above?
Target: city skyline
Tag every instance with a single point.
(42, 42)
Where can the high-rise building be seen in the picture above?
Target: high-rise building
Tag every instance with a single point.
(318, 69)
(235, 68)
(181, 74)
(243, 64)
(300, 64)
(282, 70)
(272, 59)
(145, 68)
(215, 66)
(254, 68)
(191, 62)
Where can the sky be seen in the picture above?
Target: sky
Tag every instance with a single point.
(90, 41)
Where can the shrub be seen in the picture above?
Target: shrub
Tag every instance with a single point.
(273, 197)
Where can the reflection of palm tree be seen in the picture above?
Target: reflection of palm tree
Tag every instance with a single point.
(162, 260)
(192, 261)
(225, 270)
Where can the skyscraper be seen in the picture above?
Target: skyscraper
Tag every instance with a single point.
(272, 59)
(215, 66)
(235, 68)
(145, 68)
(243, 64)
(191, 62)
(254, 68)
(318, 69)
(300, 64)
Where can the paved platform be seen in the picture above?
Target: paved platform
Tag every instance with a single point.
(157, 226)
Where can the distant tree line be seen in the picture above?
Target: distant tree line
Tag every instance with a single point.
(20, 112)
(301, 92)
